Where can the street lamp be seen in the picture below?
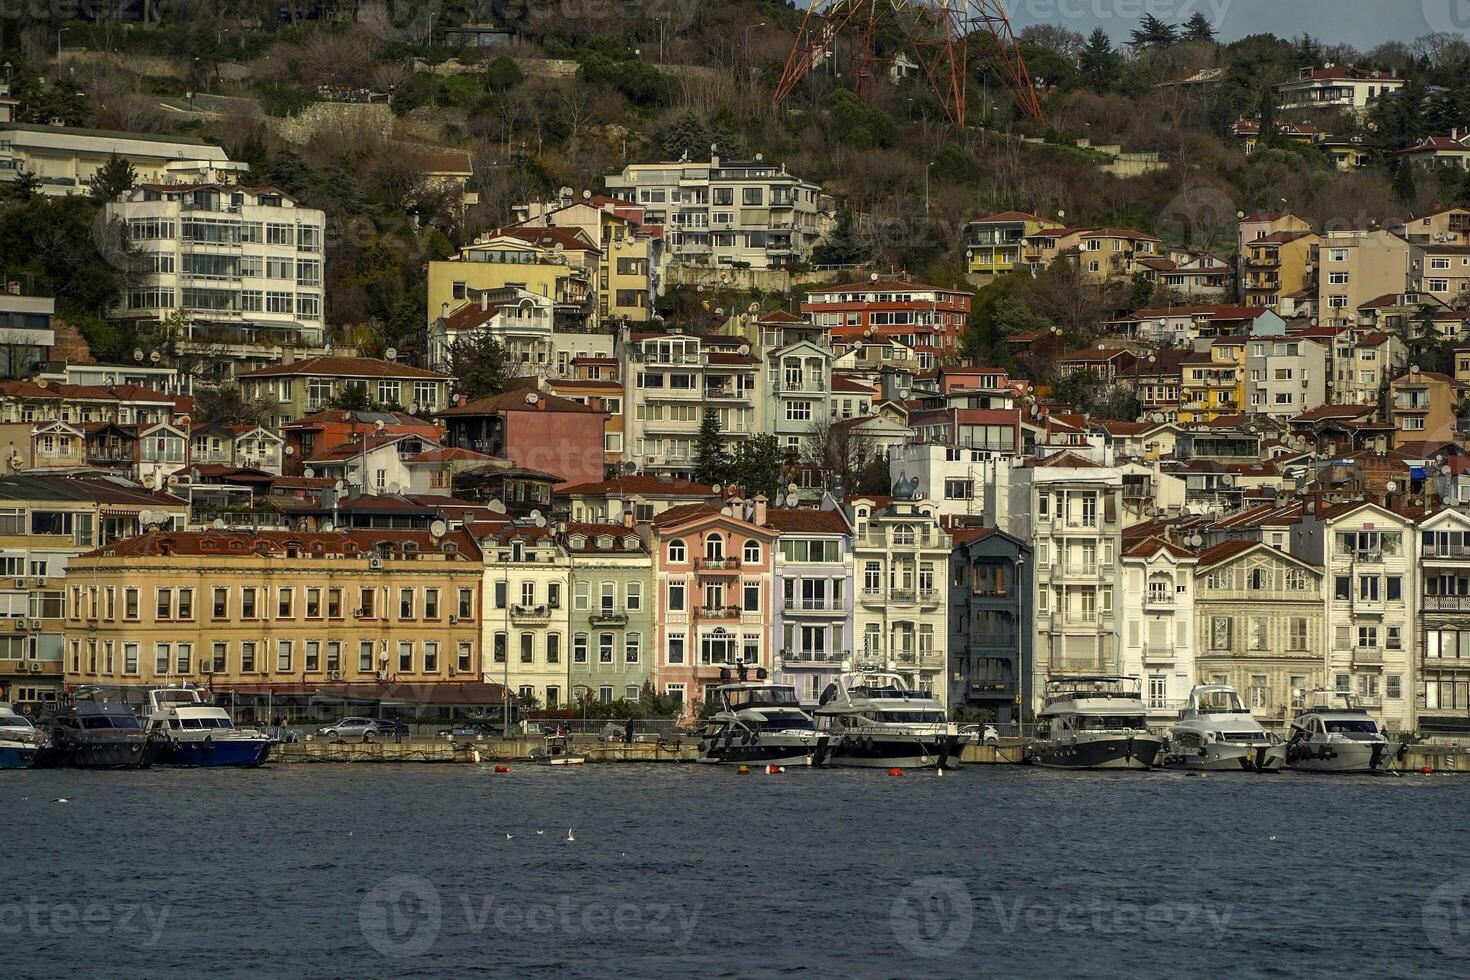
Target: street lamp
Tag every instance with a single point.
(59, 31)
(747, 37)
(926, 186)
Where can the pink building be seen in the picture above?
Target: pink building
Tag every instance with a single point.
(712, 572)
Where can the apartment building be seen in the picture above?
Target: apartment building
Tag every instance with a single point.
(1362, 360)
(1277, 265)
(242, 266)
(899, 310)
(1440, 272)
(991, 622)
(1158, 642)
(798, 392)
(527, 616)
(1356, 265)
(1421, 405)
(713, 585)
(64, 159)
(901, 567)
(1341, 87)
(1260, 623)
(595, 382)
(1370, 598)
(559, 265)
(539, 431)
(296, 389)
(27, 334)
(627, 271)
(812, 615)
(612, 613)
(1442, 659)
(1284, 376)
(1099, 253)
(1212, 382)
(748, 214)
(285, 611)
(993, 243)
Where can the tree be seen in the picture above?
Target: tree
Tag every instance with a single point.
(226, 404)
(710, 464)
(1199, 28)
(477, 362)
(685, 137)
(502, 73)
(1153, 33)
(25, 186)
(113, 179)
(1403, 181)
(757, 465)
(1098, 62)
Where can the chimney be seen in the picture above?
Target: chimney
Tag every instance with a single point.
(760, 508)
(444, 310)
(627, 513)
(484, 300)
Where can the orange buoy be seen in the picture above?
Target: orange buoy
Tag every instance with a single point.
(1426, 770)
(895, 772)
(773, 769)
(743, 770)
(502, 768)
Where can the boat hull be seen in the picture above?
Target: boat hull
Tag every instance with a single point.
(239, 753)
(15, 756)
(767, 748)
(884, 751)
(1342, 757)
(1099, 752)
(1224, 757)
(99, 754)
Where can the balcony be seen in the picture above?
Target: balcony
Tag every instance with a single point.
(1447, 553)
(1157, 599)
(819, 657)
(793, 605)
(1446, 603)
(727, 394)
(928, 597)
(1367, 657)
(993, 641)
(1158, 654)
(906, 596)
(1004, 690)
(608, 617)
(522, 613)
(717, 564)
(1368, 557)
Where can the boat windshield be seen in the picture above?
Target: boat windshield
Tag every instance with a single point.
(13, 721)
(758, 697)
(933, 717)
(1349, 725)
(1105, 723)
(885, 691)
(110, 721)
(776, 720)
(1219, 703)
(205, 723)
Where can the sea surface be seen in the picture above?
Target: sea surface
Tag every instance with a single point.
(692, 871)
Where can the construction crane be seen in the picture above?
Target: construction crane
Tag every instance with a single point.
(941, 33)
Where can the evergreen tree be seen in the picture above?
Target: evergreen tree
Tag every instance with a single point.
(1153, 33)
(477, 362)
(686, 135)
(710, 464)
(1099, 62)
(114, 178)
(1199, 28)
(757, 466)
(1403, 182)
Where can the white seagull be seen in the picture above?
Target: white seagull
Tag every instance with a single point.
(507, 836)
(540, 833)
(61, 799)
(570, 836)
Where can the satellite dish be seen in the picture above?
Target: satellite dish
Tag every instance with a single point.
(793, 500)
(145, 517)
(219, 524)
(744, 349)
(535, 515)
(1391, 486)
(754, 307)
(532, 398)
(759, 157)
(715, 488)
(792, 488)
(290, 450)
(309, 473)
(155, 357)
(495, 507)
(138, 355)
(728, 510)
(438, 528)
(339, 486)
(391, 354)
(378, 426)
(538, 520)
(328, 526)
(394, 487)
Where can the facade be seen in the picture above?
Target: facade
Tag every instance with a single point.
(713, 588)
(812, 614)
(1158, 643)
(65, 159)
(300, 388)
(1340, 87)
(1421, 405)
(892, 310)
(527, 616)
(798, 391)
(538, 431)
(26, 332)
(991, 621)
(1285, 376)
(1440, 271)
(1212, 383)
(993, 243)
(1260, 623)
(901, 568)
(243, 266)
(612, 614)
(746, 214)
(1358, 265)
(1277, 265)
(629, 256)
(1442, 656)
(1100, 254)
(282, 610)
(557, 264)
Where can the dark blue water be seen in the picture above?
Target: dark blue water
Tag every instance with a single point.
(690, 871)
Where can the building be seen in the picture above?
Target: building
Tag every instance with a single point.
(242, 267)
(527, 616)
(595, 382)
(901, 567)
(1198, 276)
(532, 429)
(993, 243)
(899, 310)
(1421, 405)
(519, 320)
(27, 332)
(746, 214)
(1158, 643)
(639, 498)
(1442, 659)
(1260, 623)
(1285, 376)
(65, 159)
(798, 392)
(332, 427)
(297, 389)
(1357, 265)
(1276, 265)
(1440, 272)
(1212, 382)
(713, 590)
(812, 614)
(991, 622)
(627, 279)
(1341, 87)
(559, 265)
(612, 613)
(1367, 554)
(1100, 254)
(1362, 361)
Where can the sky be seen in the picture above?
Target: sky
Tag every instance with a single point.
(1362, 23)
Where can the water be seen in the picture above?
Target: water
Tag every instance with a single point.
(693, 871)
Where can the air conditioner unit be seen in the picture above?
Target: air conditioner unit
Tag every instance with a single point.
(20, 583)
(453, 672)
(19, 625)
(357, 613)
(375, 563)
(453, 619)
(36, 624)
(40, 582)
(35, 668)
(334, 675)
(381, 675)
(207, 667)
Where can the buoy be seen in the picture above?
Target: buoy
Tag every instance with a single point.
(742, 770)
(773, 769)
(895, 772)
(1426, 770)
(502, 768)
(475, 754)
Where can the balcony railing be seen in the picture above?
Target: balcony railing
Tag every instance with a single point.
(1447, 603)
(1368, 557)
(1003, 641)
(812, 605)
(814, 656)
(992, 689)
(608, 617)
(719, 612)
(1159, 599)
(1460, 553)
(717, 564)
(521, 611)
(1367, 655)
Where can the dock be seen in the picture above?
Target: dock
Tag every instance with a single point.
(440, 750)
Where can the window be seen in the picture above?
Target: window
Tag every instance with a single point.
(1393, 687)
(528, 648)
(1343, 587)
(635, 596)
(676, 596)
(498, 648)
(283, 603)
(247, 602)
(130, 604)
(1297, 634)
(283, 656)
(431, 657)
(405, 656)
(405, 603)
(161, 658)
(466, 603)
(752, 553)
(313, 603)
(631, 648)
(165, 604)
(365, 656)
(553, 648)
(431, 604)
(752, 597)
(313, 656)
(676, 648)
(579, 648)
(677, 552)
(463, 653)
(334, 655)
(604, 648)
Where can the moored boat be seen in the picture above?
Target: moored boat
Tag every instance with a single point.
(557, 750)
(1334, 734)
(760, 722)
(189, 731)
(20, 741)
(872, 719)
(87, 730)
(1094, 721)
(1216, 732)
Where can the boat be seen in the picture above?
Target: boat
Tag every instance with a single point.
(190, 731)
(20, 741)
(87, 730)
(557, 750)
(1093, 721)
(759, 722)
(873, 719)
(1333, 733)
(1216, 732)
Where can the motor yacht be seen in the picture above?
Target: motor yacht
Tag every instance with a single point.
(192, 732)
(873, 719)
(1216, 732)
(1332, 733)
(758, 722)
(88, 730)
(1094, 721)
(19, 739)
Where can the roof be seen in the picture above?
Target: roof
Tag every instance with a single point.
(886, 283)
(683, 514)
(346, 542)
(1063, 458)
(643, 486)
(97, 490)
(570, 239)
(1000, 216)
(1151, 545)
(806, 520)
(351, 367)
(1324, 412)
(518, 401)
(621, 537)
(1344, 73)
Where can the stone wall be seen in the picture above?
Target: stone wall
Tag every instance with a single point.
(359, 117)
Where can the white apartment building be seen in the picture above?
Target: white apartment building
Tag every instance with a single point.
(901, 565)
(1284, 376)
(523, 323)
(527, 614)
(952, 478)
(1362, 360)
(1341, 87)
(1368, 556)
(1158, 645)
(244, 267)
(748, 213)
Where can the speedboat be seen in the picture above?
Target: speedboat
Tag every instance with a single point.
(192, 732)
(1335, 734)
(557, 750)
(19, 739)
(1216, 732)
(760, 722)
(873, 719)
(87, 730)
(1094, 721)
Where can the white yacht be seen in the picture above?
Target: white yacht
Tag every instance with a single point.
(192, 732)
(873, 719)
(760, 722)
(1094, 721)
(20, 741)
(1216, 732)
(1334, 734)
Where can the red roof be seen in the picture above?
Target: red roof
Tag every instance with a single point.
(348, 367)
(644, 486)
(1006, 216)
(806, 520)
(516, 401)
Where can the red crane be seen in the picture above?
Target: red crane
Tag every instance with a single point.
(940, 32)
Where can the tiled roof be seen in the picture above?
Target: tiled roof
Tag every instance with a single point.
(348, 542)
(808, 520)
(643, 486)
(348, 367)
(515, 401)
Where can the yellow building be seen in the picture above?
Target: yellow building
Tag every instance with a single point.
(625, 284)
(1277, 265)
(1213, 383)
(993, 244)
(283, 611)
(1100, 253)
(559, 263)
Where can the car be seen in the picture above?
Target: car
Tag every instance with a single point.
(363, 730)
(473, 729)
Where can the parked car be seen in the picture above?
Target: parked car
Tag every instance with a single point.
(473, 729)
(363, 730)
